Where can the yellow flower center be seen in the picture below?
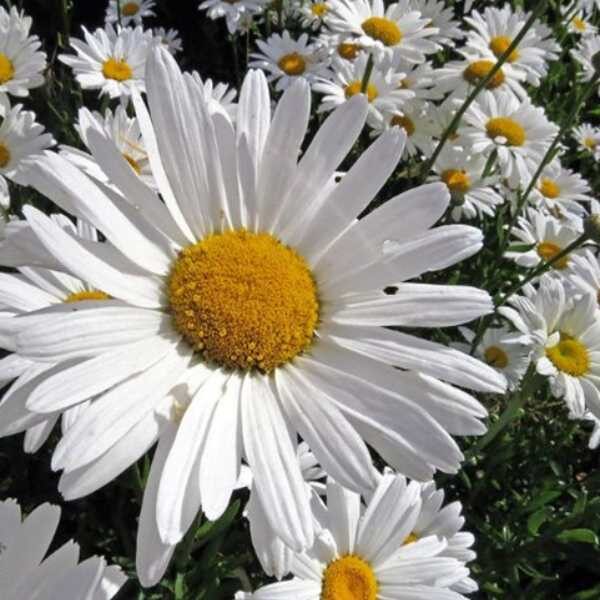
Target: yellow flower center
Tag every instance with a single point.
(590, 143)
(86, 295)
(117, 69)
(579, 24)
(4, 155)
(292, 64)
(480, 69)
(348, 50)
(499, 45)
(355, 87)
(244, 300)
(507, 128)
(548, 250)
(384, 30)
(134, 164)
(457, 180)
(7, 69)
(349, 578)
(549, 188)
(130, 9)
(496, 357)
(404, 122)
(569, 356)
(319, 9)
(411, 539)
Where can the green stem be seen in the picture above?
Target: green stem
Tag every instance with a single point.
(367, 75)
(119, 11)
(65, 18)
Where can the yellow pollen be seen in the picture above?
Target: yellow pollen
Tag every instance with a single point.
(499, 45)
(348, 50)
(4, 155)
(548, 250)
(457, 180)
(7, 69)
(383, 30)
(411, 539)
(130, 9)
(244, 300)
(86, 295)
(354, 88)
(479, 69)
(579, 24)
(319, 9)
(292, 64)
(569, 356)
(549, 188)
(505, 127)
(349, 578)
(134, 164)
(404, 122)
(117, 69)
(590, 143)
(496, 357)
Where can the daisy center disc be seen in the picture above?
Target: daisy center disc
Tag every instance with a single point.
(244, 300)
(548, 250)
(86, 295)
(4, 155)
(292, 64)
(457, 180)
(479, 70)
(507, 128)
(7, 69)
(590, 143)
(383, 30)
(348, 50)
(404, 122)
(130, 9)
(117, 69)
(410, 539)
(499, 45)
(496, 357)
(349, 578)
(569, 356)
(579, 24)
(319, 9)
(549, 188)
(355, 87)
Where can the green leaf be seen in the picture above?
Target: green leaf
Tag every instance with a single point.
(583, 536)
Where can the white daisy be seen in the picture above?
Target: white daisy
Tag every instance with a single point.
(441, 17)
(339, 45)
(132, 12)
(372, 553)
(110, 61)
(442, 115)
(169, 38)
(26, 574)
(419, 79)
(584, 274)
(289, 341)
(285, 59)
(21, 61)
(585, 54)
(313, 13)
(581, 25)
(518, 131)
(219, 96)
(238, 13)
(588, 139)
(395, 30)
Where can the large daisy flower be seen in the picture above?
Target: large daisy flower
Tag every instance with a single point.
(392, 548)
(132, 11)
(518, 131)
(254, 294)
(110, 61)
(395, 30)
(21, 62)
(25, 573)
(585, 53)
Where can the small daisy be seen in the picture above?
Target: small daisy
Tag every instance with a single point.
(519, 132)
(238, 13)
(286, 59)
(132, 11)
(169, 38)
(395, 30)
(441, 17)
(442, 115)
(581, 25)
(21, 62)
(313, 13)
(218, 96)
(585, 54)
(584, 274)
(588, 139)
(341, 46)
(25, 574)
(384, 92)
(373, 552)
(110, 61)
(419, 79)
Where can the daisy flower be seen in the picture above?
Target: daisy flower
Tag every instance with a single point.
(132, 12)
(339, 46)
(372, 552)
(250, 294)
(21, 62)
(313, 13)
(392, 31)
(419, 79)
(441, 17)
(584, 53)
(169, 38)
(547, 238)
(384, 89)
(581, 25)
(286, 59)
(110, 61)
(518, 131)
(588, 139)
(442, 115)
(25, 573)
(238, 13)
(218, 96)
(584, 274)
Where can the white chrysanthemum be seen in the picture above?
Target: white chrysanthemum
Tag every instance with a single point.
(26, 575)
(472, 194)
(132, 12)
(21, 62)
(338, 45)
(254, 292)
(587, 49)
(372, 551)
(110, 61)
(588, 139)
(495, 30)
(238, 13)
(442, 115)
(547, 238)
(169, 38)
(419, 79)
(395, 30)
(565, 333)
(285, 59)
(580, 24)
(313, 13)
(384, 90)
(519, 132)
(441, 17)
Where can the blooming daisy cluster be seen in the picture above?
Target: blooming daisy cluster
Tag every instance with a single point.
(303, 287)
